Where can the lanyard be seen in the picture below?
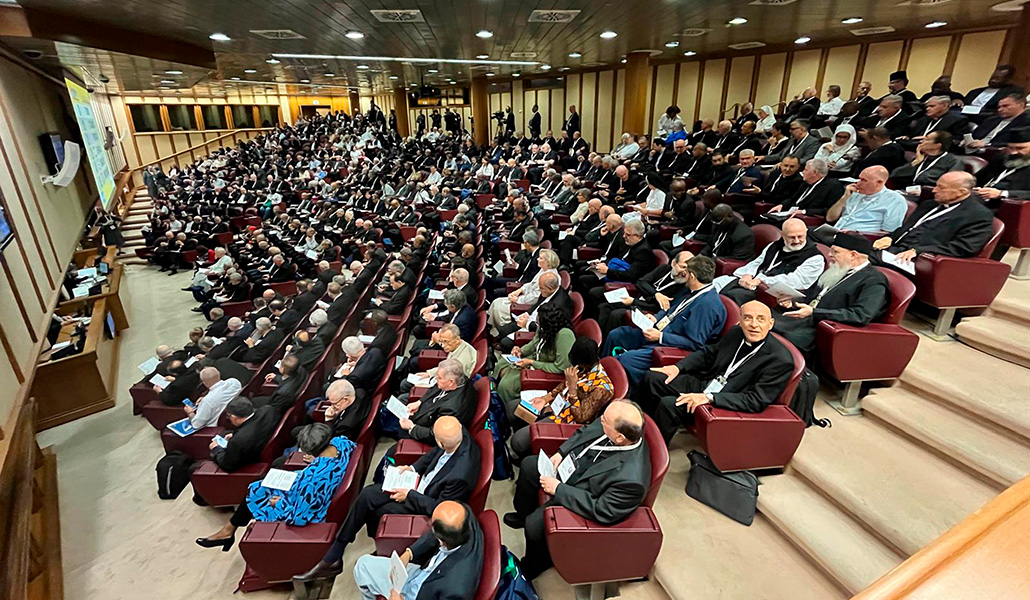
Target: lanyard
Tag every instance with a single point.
(683, 305)
(929, 216)
(922, 168)
(740, 173)
(775, 182)
(702, 221)
(933, 125)
(735, 364)
(798, 143)
(661, 285)
(598, 445)
(773, 264)
(806, 193)
(825, 290)
(997, 179)
(718, 241)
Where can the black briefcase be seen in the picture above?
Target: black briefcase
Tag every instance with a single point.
(733, 494)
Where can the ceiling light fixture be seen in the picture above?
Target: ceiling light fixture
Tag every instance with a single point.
(167, 82)
(330, 74)
(394, 77)
(516, 74)
(737, 21)
(803, 40)
(608, 34)
(219, 37)
(689, 53)
(574, 55)
(453, 61)
(671, 44)
(173, 72)
(564, 69)
(432, 70)
(250, 71)
(272, 61)
(354, 35)
(623, 61)
(305, 81)
(363, 67)
(482, 56)
(484, 33)
(235, 78)
(489, 74)
(935, 24)
(545, 67)
(851, 20)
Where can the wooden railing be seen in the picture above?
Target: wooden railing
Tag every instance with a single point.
(985, 557)
(137, 177)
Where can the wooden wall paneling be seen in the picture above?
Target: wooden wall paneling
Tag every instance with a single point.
(738, 84)
(804, 69)
(976, 59)
(953, 48)
(649, 116)
(12, 361)
(686, 91)
(662, 96)
(495, 104)
(558, 104)
(529, 99)
(711, 88)
(676, 83)
(841, 63)
(881, 60)
(29, 327)
(770, 79)
(604, 111)
(518, 104)
(620, 104)
(926, 62)
(824, 56)
(616, 136)
(587, 112)
(697, 98)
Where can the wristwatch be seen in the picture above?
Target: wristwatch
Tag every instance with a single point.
(709, 396)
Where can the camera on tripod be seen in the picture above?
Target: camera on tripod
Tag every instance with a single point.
(499, 116)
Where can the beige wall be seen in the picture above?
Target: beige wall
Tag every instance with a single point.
(47, 220)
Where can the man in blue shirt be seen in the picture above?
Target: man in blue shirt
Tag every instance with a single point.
(867, 206)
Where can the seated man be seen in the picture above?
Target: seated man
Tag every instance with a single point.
(348, 409)
(867, 206)
(745, 370)
(655, 292)
(1008, 174)
(635, 260)
(998, 130)
(289, 382)
(307, 348)
(452, 395)
(851, 291)
(444, 564)
(384, 334)
(447, 472)
(251, 430)
(455, 310)
(815, 197)
(954, 223)
(688, 321)
(605, 470)
(457, 349)
(730, 238)
(220, 392)
(793, 260)
(363, 366)
(551, 292)
(931, 161)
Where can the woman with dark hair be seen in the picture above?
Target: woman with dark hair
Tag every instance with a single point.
(548, 351)
(307, 500)
(779, 140)
(582, 396)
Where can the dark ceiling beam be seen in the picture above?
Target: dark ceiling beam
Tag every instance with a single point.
(16, 21)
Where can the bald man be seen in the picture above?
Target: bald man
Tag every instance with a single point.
(220, 392)
(603, 473)
(744, 370)
(867, 206)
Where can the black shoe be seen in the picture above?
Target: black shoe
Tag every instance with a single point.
(225, 543)
(186, 289)
(163, 269)
(514, 520)
(196, 310)
(322, 570)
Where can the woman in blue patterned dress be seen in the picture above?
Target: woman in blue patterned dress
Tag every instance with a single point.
(307, 500)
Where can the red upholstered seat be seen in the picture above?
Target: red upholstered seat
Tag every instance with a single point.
(407, 451)
(661, 258)
(950, 283)
(1015, 214)
(142, 394)
(764, 233)
(197, 445)
(663, 356)
(159, 414)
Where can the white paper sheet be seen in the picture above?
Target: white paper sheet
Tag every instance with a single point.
(531, 395)
(511, 358)
(366, 339)
(677, 240)
(417, 381)
(322, 304)
(398, 572)
(395, 479)
(641, 321)
(398, 408)
(892, 259)
(435, 295)
(148, 366)
(969, 109)
(278, 479)
(781, 290)
(562, 235)
(544, 466)
(189, 363)
(159, 381)
(616, 295)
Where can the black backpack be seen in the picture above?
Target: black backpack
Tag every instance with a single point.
(173, 474)
(803, 402)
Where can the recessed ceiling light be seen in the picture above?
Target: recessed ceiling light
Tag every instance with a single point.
(235, 78)
(403, 59)
(432, 70)
(305, 81)
(394, 77)
(516, 74)
(737, 21)
(671, 44)
(250, 71)
(362, 67)
(851, 20)
(689, 53)
(482, 56)
(330, 74)
(564, 69)
(173, 72)
(272, 61)
(623, 61)
(167, 82)
(803, 40)
(489, 74)
(608, 34)
(545, 67)
(574, 55)
(483, 33)
(354, 35)
(219, 37)
(935, 24)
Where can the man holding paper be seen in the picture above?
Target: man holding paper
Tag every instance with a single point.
(603, 472)
(220, 392)
(687, 321)
(793, 261)
(654, 292)
(448, 472)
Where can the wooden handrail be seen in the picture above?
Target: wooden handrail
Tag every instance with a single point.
(946, 557)
(234, 132)
(18, 452)
(734, 107)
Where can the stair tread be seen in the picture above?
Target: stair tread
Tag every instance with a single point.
(998, 336)
(902, 491)
(998, 398)
(965, 439)
(842, 547)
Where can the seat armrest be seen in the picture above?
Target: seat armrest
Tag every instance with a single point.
(518, 309)
(220, 488)
(416, 393)
(587, 253)
(949, 282)
(535, 379)
(737, 441)
(407, 451)
(614, 285)
(523, 337)
(396, 533)
(663, 356)
(618, 552)
(430, 358)
(874, 352)
(549, 436)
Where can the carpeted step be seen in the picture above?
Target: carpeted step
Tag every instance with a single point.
(1013, 303)
(848, 553)
(897, 489)
(957, 435)
(971, 381)
(999, 337)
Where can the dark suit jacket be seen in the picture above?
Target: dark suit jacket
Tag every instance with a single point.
(777, 188)
(1003, 136)
(227, 346)
(857, 300)
(890, 156)
(218, 328)
(385, 338)
(230, 369)
(288, 320)
(827, 191)
(285, 394)
(992, 104)
(608, 489)
(455, 480)
(368, 370)
(961, 232)
(738, 243)
(459, 403)
(1017, 184)
(457, 576)
(952, 122)
(309, 353)
(350, 422)
(262, 350)
(646, 289)
(757, 383)
(465, 320)
(303, 303)
(641, 261)
(247, 441)
(398, 301)
(181, 387)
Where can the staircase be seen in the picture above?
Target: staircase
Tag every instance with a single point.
(951, 434)
(132, 225)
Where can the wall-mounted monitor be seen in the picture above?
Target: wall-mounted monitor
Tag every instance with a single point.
(6, 235)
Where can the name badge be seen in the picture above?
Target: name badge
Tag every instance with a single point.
(559, 404)
(661, 325)
(715, 386)
(566, 468)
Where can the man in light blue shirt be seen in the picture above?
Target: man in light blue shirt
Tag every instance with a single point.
(867, 206)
